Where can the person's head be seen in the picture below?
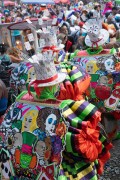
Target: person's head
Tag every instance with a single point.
(107, 14)
(80, 42)
(62, 37)
(114, 10)
(97, 7)
(77, 14)
(110, 18)
(64, 30)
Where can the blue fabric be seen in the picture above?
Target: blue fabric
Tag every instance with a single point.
(16, 33)
(3, 104)
(5, 58)
(84, 34)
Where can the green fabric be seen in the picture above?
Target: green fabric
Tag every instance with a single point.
(94, 51)
(21, 95)
(94, 77)
(117, 136)
(62, 177)
(48, 93)
(87, 111)
(75, 121)
(64, 103)
(17, 124)
(113, 51)
(28, 138)
(75, 76)
(68, 142)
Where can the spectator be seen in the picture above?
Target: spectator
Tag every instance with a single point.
(4, 57)
(114, 10)
(110, 20)
(3, 98)
(66, 42)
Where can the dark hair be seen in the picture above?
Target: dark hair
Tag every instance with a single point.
(2, 48)
(114, 8)
(89, 15)
(96, 6)
(107, 14)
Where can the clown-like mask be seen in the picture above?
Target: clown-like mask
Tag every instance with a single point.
(109, 65)
(50, 124)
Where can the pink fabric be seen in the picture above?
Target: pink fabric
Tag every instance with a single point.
(27, 149)
(93, 84)
(108, 7)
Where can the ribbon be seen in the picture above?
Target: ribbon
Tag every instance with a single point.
(96, 43)
(37, 82)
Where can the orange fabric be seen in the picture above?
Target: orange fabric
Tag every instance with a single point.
(87, 142)
(61, 129)
(117, 66)
(33, 162)
(17, 156)
(74, 92)
(80, 87)
(110, 28)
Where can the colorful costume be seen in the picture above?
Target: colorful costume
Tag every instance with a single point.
(51, 131)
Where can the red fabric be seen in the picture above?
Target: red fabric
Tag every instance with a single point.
(68, 45)
(1, 119)
(81, 24)
(49, 48)
(37, 82)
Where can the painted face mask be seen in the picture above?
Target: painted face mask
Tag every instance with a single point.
(91, 67)
(50, 123)
(109, 65)
(27, 124)
(40, 148)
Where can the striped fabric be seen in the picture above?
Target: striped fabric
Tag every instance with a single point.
(74, 166)
(74, 73)
(76, 83)
(74, 169)
(75, 112)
